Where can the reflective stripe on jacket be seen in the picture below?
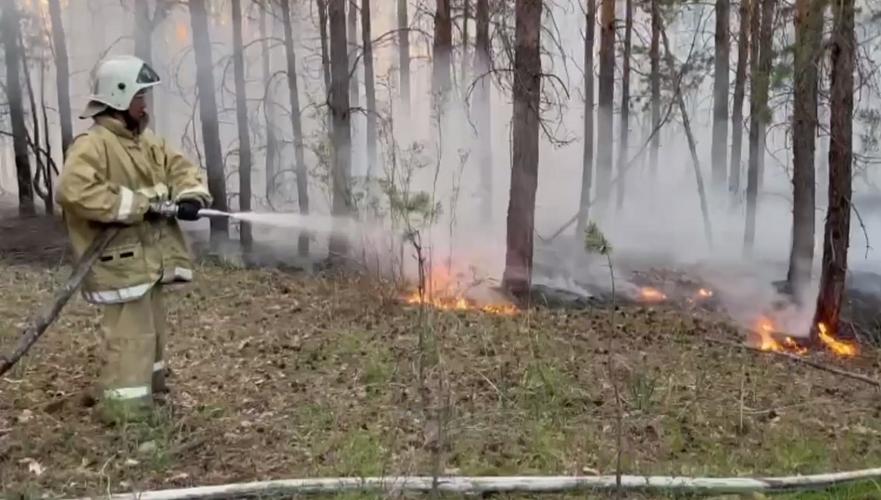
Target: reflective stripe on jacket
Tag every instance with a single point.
(111, 175)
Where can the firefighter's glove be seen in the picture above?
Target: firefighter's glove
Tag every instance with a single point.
(188, 210)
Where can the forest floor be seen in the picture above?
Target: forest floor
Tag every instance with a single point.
(284, 375)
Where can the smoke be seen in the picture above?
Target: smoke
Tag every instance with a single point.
(659, 224)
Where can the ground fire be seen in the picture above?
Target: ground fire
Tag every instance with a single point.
(650, 294)
(769, 338)
(448, 293)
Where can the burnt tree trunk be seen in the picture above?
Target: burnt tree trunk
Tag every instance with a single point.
(269, 105)
(759, 114)
(404, 55)
(482, 107)
(743, 57)
(719, 153)
(369, 88)
(625, 104)
(808, 34)
(655, 84)
(524, 170)
(296, 124)
(208, 117)
(605, 135)
(62, 75)
(10, 34)
(342, 133)
(590, 19)
(837, 231)
(442, 53)
(247, 238)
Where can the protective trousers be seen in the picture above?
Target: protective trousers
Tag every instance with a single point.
(132, 345)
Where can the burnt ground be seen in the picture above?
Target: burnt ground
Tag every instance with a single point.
(282, 374)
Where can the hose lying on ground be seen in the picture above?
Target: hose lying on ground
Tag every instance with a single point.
(511, 484)
(37, 324)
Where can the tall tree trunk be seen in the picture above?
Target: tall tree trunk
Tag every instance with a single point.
(404, 55)
(10, 34)
(247, 238)
(625, 105)
(808, 34)
(325, 56)
(443, 47)
(590, 19)
(743, 46)
(145, 24)
(463, 77)
(62, 75)
(655, 84)
(47, 141)
(524, 171)
(354, 84)
(269, 104)
(296, 123)
(605, 135)
(143, 30)
(837, 232)
(719, 152)
(143, 39)
(342, 133)
(483, 118)
(369, 87)
(759, 112)
(39, 159)
(208, 117)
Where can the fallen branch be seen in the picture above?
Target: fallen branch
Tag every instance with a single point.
(36, 325)
(512, 484)
(803, 360)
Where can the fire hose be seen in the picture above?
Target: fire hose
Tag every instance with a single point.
(37, 323)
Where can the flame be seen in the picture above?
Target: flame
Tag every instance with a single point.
(766, 328)
(459, 303)
(650, 294)
(445, 295)
(844, 349)
(705, 293)
(182, 32)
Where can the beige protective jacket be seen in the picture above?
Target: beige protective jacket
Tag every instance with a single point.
(110, 176)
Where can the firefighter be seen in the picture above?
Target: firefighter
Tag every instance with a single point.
(118, 172)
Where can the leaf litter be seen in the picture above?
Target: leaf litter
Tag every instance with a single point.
(278, 375)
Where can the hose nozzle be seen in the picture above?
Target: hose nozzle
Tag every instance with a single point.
(165, 209)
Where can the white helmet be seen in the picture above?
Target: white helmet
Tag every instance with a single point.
(117, 80)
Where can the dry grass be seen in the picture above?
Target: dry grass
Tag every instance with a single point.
(280, 375)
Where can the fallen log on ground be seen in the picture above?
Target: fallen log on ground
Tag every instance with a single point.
(512, 484)
(37, 324)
